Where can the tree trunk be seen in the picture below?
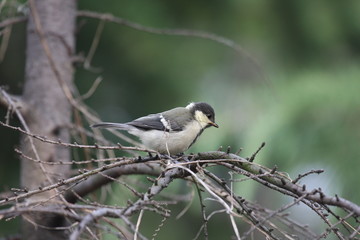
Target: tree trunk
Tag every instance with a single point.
(49, 111)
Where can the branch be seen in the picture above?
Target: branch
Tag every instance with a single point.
(96, 181)
(12, 102)
(300, 176)
(91, 218)
(233, 205)
(173, 32)
(163, 31)
(75, 145)
(162, 182)
(63, 182)
(13, 106)
(281, 181)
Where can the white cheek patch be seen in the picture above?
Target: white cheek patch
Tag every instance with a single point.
(201, 118)
(165, 123)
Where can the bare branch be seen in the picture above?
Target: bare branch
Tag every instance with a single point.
(94, 44)
(75, 145)
(63, 182)
(205, 219)
(173, 32)
(93, 88)
(252, 158)
(306, 174)
(19, 115)
(265, 219)
(283, 182)
(91, 218)
(12, 102)
(95, 182)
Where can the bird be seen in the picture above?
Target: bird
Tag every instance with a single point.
(170, 132)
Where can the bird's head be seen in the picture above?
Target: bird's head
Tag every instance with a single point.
(203, 113)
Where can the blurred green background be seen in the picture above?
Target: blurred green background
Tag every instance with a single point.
(304, 103)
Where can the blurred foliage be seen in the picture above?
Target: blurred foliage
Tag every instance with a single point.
(306, 107)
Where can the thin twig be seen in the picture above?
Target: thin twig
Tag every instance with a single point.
(66, 181)
(265, 219)
(94, 45)
(282, 182)
(203, 213)
(138, 224)
(306, 174)
(26, 129)
(91, 218)
(93, 88)
(75, 145)
(251, 159)
(164, 31)
(174, 32)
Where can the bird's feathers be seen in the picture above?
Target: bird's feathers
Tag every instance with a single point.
(172, 131)
(166, 121)
(110, 125)
(172, 142)
(150, 122)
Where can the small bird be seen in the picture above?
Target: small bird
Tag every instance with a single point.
(170, 132)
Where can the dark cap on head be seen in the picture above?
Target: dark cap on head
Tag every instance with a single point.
(203, 107)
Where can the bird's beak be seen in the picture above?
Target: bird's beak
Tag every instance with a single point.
(213, 124)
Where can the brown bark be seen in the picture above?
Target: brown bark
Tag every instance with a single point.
(51, 22)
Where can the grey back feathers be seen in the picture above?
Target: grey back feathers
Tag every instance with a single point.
(177, 118)
(171, 120)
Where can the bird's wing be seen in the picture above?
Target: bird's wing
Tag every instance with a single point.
(150, 122)
(163, 121)
(177, 118)
(110, 125)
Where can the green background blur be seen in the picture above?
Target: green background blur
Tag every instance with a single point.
(305, 104)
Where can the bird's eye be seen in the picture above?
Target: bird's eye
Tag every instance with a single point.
(209, 115)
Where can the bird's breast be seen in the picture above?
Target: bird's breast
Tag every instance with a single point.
(172, 142)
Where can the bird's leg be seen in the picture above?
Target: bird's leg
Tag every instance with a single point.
(156, 157)
(186, 158)
(180, 154)
(166, 159)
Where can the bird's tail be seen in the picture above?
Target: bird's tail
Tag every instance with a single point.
(111, 125)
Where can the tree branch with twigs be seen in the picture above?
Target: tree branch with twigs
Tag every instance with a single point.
(65, 198)
(191, 168)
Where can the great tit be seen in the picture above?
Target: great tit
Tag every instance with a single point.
(170, 132)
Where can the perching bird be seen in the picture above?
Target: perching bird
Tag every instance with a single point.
(170, 132)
